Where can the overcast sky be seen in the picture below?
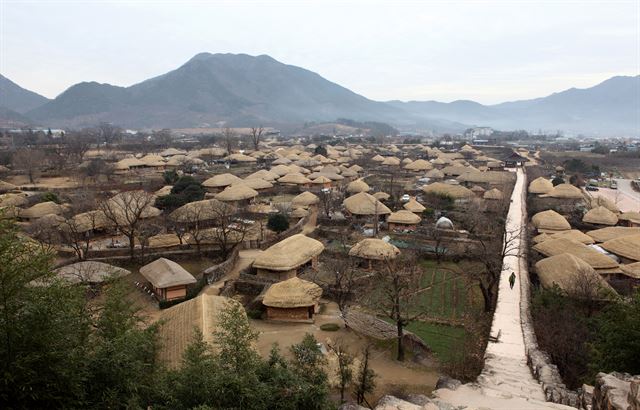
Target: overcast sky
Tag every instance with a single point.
(488, 51)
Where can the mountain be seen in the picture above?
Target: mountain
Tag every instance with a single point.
(17, 99)
(211, 88)
(609, 108)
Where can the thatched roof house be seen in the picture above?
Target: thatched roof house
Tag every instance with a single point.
(419, 165)
(10, 199)
(206, 209)
(299, 213)
(293, 300)
(264, 174)
(540, 185)
(565, 270)
(255, 183)
(596, 201)
(414, 206)
(391, 161)
(631, 270)
(378, 158)
(357, 186)
(280, 170)
(453, 191)
(381, 196)
(238, 157)
(235, 193)
(550, 221)
(42, 209)
(612, 232)
(600, 216)
(294, 178)
(564, 191)
(626, 246)
(90, 272)
(434, 174)
(493, 194)
(221, 181)
(305, 199)
(403, 220)
(169, 280)
(6, 187)
(572, 234)
(365, 204)
(487, 177)
(594, 258)
(630, 219)
(374, 249)
(283, 260)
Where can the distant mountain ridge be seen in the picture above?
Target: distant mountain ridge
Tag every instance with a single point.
(17, 99)
(238, 89)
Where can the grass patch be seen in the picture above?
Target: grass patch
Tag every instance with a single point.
(330, 327)
(446, 342)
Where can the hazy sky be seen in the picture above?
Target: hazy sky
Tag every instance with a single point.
(488, 51)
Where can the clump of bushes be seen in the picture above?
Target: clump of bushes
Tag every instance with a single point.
(186, 189)
(330, 327)
(278, 223)
(50, 197)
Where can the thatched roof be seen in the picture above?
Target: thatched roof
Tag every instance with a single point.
(289, 253)
(597, 201)
(164, 240)
(172, 151)
(372, 248)
(280, 170)
(404, 217)
(164, 273)
(419, 165)
(600, 216)
(414, 206)
(626, 246)
(221, 180)
(477, 188)
(612, 232)
(565, 270)
(630, 216)
(391, 161)
(13, 199)
(493, 194)
(264, 174)
(381, 196)
(198, 211)
(240, 158)
(282, 161)
(594, 258)
(574, 235)
(164, 191)
(487, 177)
(356, 168)
(357, 186)
(435, 174)
(305, 199)
(255, 183)
(331, 175)
(365, 204)
(42, 209)
(236, 193)
(292, 293)
(631, 270)
(294, 178)
(564, 191)
(6, 187)
(90, 272)
(454, 191)
(378, 158)
(540, 185)
(124, 205)
(550, 221)
(127, 163)
(321, 180)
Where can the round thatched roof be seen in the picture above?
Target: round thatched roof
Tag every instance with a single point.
(454, 191)
(305, 199)
(600, 216)
(280, 170)
(634, 217)
(626, 246)
(264, 174)
(42, 209)
(240, 158)
(378, 158)
(6, 187)
(255, 183)
(164, 273)
(292, 293)
(550, 221)
(419, 165)
(13, 199)
(372, 248)
(540, 185)
(289, 253)
(221, 180)
(391, 161)
(199, 211)
(404, 217)
(357, 186)
(565, 270)
(596, 259)
(612, 232)
(236, 193)
(365, 204)
(477, 188)
(574, 235)
(299, 213)
(164, 191)
(282, 161)
(294, 178)
(321, 180)
(90, 272)
(381, 196)
(434, 174)
(493, 194)
(565, 191)
(631, 270)
(597, 201)
(414, 206)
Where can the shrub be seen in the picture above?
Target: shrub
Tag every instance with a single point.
(254, 314)
(170, 176)
(278, 223)
(50, 196)
(330, 327)
(557, 181)
(186, 189)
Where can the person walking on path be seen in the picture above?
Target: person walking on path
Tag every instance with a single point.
(512, 279)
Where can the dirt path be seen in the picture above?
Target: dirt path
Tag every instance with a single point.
(311, 224)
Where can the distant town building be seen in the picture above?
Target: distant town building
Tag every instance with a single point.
(478, 132)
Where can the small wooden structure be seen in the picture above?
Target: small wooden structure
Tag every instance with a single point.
(514, 160)
(373, 249)
(286, 258)
(169, 280)
(403, 221)
(292, 300)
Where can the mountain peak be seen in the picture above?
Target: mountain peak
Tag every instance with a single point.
(18, 99)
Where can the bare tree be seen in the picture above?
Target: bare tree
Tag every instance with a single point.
(77, 231)
(230, 228)
(256, 135)
(339, 276)
(126, 211)
(229, 139)
(30, 161)
(397, 294)
(345, 360)
(77, 146)
(587, 288)
(108, 133)
(365, 379)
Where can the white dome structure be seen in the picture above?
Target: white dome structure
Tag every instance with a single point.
(444, 223)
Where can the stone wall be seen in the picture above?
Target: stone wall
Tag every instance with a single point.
(295, 229)
(616, 391)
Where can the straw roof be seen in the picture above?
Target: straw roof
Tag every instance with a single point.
(634, 217)
(255, 183)
(321, 180)
(435, 174)
(42, 209)
(564, 270)
(90, 272)
(280, 170)
(404, 217)
(365, 204)
(13, 199)
(127, 163)
(357, 186)
(299, 213)
(164, 191)
(349, 173)
(172, 151)
(125, 204)
(612, 232)
(356, 168)
(540, 185)
(631, 269)
(289, 253)
(261, 209)
(565, 191)
(294, 178)
(478, 188)
(626, 246)
(541, 237)
(414, 206)
(550, 221)
(292, 293)
(264, 174)
(597, 201)
(406, 161)
(381, 196)
(164, 240)
(282, 161)
(487, 177)
(378, 158)
(574, 235)
(236, 193)
(457, 170)
(6, 186)
(221, 180)
(594, 258)
(454, 191)
(373, 248)
(198, 211)
(493, 194)
(164, 273)
(391, 161)
(87, 221)
(305, 199)
(331, 175)
(600, 216)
